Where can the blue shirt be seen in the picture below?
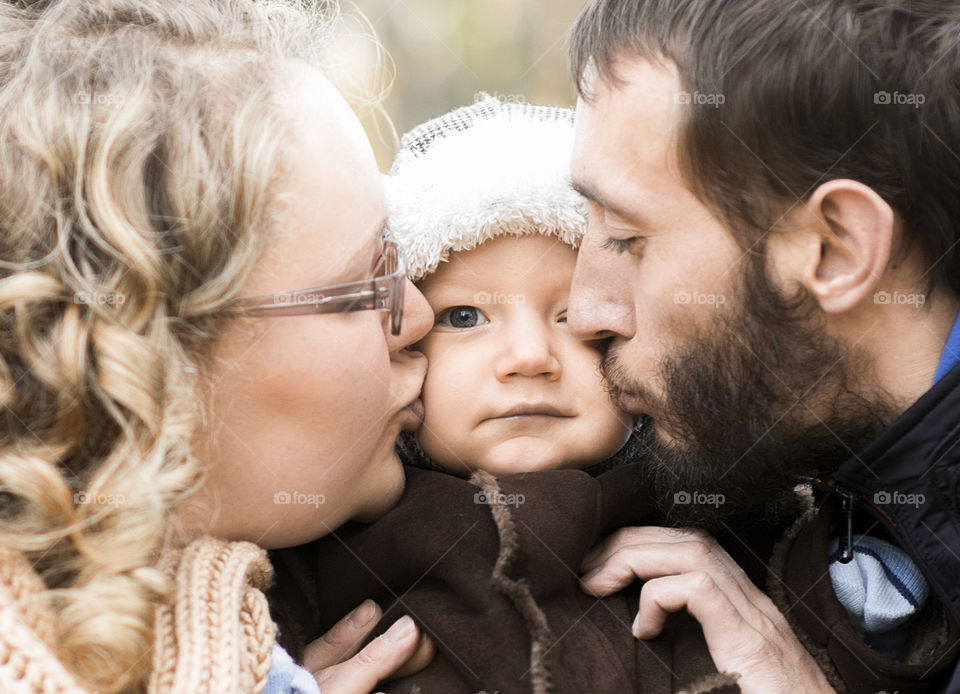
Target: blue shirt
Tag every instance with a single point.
(951, 351)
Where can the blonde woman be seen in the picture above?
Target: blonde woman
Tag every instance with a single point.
(175, 178)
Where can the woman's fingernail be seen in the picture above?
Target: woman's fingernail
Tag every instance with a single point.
(361, 616)
(635, 629)
(400, 630)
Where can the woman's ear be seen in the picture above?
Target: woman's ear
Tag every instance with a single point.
(845, 233)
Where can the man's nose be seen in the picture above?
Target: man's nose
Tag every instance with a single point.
(600, 304)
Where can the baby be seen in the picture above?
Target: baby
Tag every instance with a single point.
(484, 559)
(480, 203)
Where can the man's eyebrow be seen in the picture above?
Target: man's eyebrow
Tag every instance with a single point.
(594, 196)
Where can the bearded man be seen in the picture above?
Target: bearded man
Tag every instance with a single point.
(773, 260)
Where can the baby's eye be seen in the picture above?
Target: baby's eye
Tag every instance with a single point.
(562, 318)
(462, 317)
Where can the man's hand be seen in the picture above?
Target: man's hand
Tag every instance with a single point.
(687, 568)
(339, 668)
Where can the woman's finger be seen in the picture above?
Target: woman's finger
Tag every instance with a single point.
(378, 660)
(421, 657)
(344, 639)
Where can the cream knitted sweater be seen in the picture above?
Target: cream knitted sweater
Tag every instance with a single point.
(216, 638)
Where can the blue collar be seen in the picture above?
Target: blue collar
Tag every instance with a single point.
(951, 351)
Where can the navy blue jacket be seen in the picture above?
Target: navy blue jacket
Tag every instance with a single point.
(905, 485)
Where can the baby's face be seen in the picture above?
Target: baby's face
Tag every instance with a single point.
(508, 388)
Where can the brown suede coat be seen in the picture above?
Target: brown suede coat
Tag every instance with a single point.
(489, 569)
(495, 586)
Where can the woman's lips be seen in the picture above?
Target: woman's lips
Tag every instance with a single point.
(415, 409)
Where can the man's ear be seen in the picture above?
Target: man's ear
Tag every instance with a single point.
(849, 231)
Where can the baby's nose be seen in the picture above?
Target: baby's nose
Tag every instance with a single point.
(528, 352)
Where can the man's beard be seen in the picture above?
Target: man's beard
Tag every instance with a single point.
(760, 401)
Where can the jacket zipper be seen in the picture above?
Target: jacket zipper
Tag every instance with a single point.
(845, 546)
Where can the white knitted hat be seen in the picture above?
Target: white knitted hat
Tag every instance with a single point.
(479, 172)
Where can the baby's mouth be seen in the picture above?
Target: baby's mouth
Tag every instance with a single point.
(532, 410)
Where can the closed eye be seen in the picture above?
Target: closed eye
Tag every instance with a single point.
(620, 245)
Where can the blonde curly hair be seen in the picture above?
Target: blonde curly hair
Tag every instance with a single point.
(141, 145)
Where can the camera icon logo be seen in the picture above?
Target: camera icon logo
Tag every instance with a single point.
(681, 498)
(882, 297)
(881, 98)
(281, 497)
(481, 498)
(882, 498)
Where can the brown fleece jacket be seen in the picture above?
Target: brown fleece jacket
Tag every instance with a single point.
(489, 569)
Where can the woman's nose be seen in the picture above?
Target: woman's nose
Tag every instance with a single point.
(416, 322)
(528, 351)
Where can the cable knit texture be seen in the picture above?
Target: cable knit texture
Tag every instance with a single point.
(217, 636)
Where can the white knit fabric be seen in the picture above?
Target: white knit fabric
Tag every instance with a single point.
(486, 170)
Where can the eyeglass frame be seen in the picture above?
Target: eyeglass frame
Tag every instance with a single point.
(378, 293)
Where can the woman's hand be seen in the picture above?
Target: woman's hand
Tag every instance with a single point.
(340, 669)
(686, 568)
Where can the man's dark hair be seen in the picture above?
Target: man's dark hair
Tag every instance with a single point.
(811, 91)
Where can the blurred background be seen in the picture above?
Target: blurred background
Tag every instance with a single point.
(440, 53)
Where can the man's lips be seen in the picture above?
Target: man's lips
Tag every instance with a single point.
(531, 410)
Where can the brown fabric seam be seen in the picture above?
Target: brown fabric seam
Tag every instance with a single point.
(518, 590)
